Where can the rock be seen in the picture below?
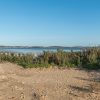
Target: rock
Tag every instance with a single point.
(3, 77)
(22, 96)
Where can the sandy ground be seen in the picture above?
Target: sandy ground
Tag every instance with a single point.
(17, 83)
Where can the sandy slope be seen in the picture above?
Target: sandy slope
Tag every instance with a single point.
(17, 83)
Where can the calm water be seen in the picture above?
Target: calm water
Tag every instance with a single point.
(33, 50)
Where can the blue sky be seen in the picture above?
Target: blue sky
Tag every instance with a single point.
(50, 22)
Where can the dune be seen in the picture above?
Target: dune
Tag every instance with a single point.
(17, 83)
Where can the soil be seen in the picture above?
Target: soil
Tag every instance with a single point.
(17, 83)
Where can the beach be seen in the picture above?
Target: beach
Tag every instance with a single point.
(17, 83)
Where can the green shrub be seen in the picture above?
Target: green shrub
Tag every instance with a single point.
(89, 58)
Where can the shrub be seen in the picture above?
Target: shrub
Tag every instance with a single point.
(89, 58)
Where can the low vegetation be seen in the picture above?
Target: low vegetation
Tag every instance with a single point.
(88, 58)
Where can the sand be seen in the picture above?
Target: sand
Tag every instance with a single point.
(17, 83)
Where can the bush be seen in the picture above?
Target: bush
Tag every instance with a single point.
(89, 58)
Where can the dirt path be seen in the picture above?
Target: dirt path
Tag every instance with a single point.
(17, 83)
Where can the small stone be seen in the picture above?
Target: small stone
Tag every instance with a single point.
(22, 96)
(2, 77)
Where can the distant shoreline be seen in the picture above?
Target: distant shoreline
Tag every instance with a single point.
(49, 47)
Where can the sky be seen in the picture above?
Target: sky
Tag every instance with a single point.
(50, 22)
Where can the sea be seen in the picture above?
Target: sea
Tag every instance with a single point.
(32, 50)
